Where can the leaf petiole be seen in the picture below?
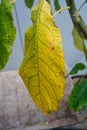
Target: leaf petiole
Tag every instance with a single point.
(60, 10)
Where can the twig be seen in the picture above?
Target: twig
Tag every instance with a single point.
(82, 5)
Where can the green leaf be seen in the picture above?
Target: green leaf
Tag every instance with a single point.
(29, 3)
(78, 98)
(7, 31)
(76, 68)
(57, 5)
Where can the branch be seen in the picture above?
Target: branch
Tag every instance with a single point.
(77, 19)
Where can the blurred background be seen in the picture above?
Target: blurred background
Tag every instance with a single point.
(22, 20)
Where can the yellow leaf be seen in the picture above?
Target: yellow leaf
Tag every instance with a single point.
(43, 67)
(78, 40)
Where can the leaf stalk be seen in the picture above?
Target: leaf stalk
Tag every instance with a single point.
(60, 10)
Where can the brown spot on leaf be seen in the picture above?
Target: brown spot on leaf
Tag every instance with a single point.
(53, 48)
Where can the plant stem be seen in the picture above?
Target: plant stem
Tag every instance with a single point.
(60, 10)
(77, 19)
